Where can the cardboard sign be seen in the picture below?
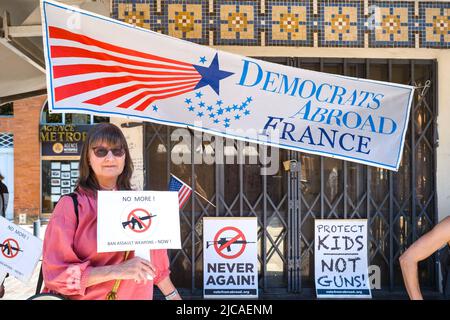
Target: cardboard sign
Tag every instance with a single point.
(340, 251)
(129, 220)
(230, 258)
(19, 250)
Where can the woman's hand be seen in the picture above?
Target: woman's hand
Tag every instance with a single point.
(136, 269)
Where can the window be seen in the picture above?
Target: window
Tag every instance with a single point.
(69, 118)
(58, 178)
(6, 140)
(7, 109)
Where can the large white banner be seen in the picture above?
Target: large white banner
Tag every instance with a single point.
(20, 251)
(133, 220)
(103, 66)
(230, 257)
(340, 258)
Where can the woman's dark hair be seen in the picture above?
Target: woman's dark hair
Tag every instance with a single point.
(110, 134)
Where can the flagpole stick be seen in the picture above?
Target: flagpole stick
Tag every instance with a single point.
(204, 198)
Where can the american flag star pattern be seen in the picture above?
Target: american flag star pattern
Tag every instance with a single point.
(212, 109)
(184, 191)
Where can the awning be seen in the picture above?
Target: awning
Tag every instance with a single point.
(22, 72)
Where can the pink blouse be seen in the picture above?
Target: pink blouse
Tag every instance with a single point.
(70, 253)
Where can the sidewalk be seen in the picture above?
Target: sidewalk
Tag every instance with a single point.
(17, 290)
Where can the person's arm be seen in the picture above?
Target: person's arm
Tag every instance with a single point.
(134, 269)
(166, 286)
(63, 270)
(160, 261)
(420, 250)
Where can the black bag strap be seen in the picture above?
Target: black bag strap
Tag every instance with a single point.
(41, 276)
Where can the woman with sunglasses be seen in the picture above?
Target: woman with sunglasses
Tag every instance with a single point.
(71, 265)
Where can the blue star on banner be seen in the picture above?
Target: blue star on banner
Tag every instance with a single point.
(199, 94)
(202, 59)
(211, 75)
(155, 108)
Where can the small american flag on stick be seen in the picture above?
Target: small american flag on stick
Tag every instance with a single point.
(184, 191)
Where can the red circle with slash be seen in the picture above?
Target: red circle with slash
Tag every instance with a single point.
(145, 226)
(240, 235)
(12, 245)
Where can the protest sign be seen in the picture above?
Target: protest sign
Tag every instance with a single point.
(20, 250)
(340, 253)
(230, 261)
(129, 220)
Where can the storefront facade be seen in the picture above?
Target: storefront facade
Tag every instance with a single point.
(405, 44)
(61, 137)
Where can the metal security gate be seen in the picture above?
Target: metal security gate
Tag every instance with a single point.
(400, 206)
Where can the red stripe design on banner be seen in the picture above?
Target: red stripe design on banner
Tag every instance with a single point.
(171, 77)
(69, 90)
(130, 102)
(150, 100)
(62, 71)
(110, 96)
(58, 33)
(74, 52)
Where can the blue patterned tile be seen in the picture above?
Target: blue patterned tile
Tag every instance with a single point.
(289, 23)
(394, 24)
(341, 24)
(435, 30)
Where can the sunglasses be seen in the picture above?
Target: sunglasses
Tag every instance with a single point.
(101, 152)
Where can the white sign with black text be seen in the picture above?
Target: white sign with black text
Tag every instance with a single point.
(19, 250)
(129, 220)
(230, 261)
(340, 250)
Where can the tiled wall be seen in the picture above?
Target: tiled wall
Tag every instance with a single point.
(315, 23)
